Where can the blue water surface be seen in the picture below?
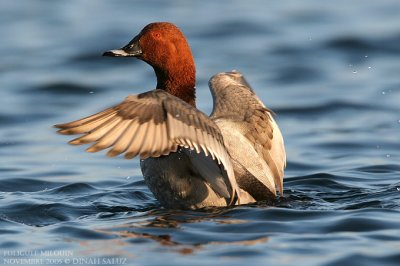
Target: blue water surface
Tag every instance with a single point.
(329, 70)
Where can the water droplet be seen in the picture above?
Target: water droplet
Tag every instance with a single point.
(383, 92)
(387, 155)
(398, 121)
(354, 71)
(91, 92)
(128, 177)
(369, 67)
(398, 188)
(366, 56)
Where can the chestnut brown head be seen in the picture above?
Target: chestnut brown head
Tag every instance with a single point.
(163, 46)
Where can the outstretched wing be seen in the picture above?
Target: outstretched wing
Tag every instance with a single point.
(151, 124)
(236, 106)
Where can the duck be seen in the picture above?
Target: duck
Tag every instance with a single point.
(189, 160)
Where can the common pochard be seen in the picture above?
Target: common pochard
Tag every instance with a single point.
(189, 160)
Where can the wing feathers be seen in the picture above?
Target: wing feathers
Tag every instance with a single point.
(93, 133)
(85, 120)
(110, 138)
(79, 127)
(150, 125)
(122, 144)
(236, 103)
(136, 142)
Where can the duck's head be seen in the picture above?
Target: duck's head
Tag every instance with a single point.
(163, 46)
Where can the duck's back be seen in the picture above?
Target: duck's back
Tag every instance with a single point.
(251, 135)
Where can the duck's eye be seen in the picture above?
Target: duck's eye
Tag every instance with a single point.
(157, 35)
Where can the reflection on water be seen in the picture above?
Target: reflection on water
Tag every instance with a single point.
(329, 71)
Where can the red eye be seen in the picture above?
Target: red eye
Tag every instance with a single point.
(157, 35)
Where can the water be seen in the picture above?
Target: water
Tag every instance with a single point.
(329, 70)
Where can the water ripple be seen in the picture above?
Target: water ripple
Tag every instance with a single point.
(63, 88)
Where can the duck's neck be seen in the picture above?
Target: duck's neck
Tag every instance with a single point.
(179, 80)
